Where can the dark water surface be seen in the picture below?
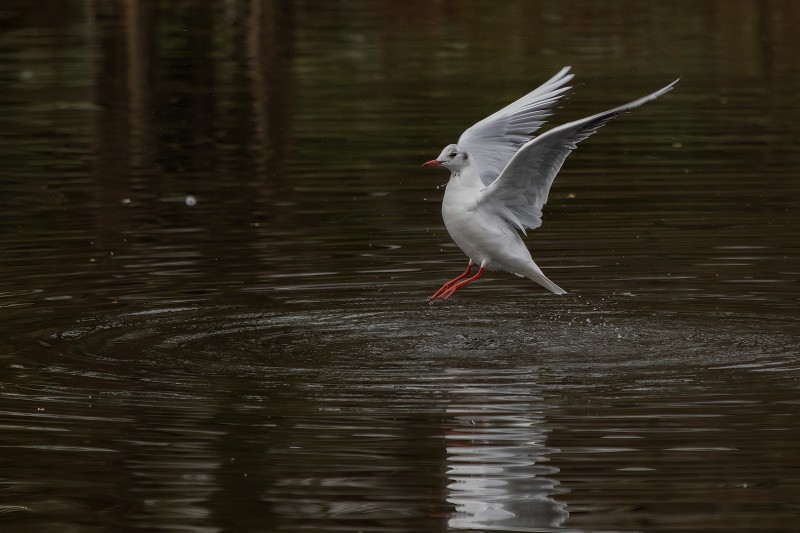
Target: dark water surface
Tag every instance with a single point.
(216, 247)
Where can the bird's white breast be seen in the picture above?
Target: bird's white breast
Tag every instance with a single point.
(482, 235)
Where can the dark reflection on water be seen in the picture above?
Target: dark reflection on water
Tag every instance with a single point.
(215, 249)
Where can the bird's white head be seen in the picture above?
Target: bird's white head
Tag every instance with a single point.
(453, 157)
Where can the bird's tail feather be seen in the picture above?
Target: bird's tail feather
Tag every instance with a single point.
(538, 276)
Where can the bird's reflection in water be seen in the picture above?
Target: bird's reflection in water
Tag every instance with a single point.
(497, 460)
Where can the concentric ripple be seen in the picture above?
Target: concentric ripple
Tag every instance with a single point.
(201, 337)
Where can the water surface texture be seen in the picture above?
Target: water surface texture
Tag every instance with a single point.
(216, 248)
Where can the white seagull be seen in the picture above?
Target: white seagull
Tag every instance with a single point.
(500, 178)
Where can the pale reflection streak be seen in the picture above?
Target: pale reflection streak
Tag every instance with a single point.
(497, 458)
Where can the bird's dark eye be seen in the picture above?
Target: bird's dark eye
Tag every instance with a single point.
(453, 154)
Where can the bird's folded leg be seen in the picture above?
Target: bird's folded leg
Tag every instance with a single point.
(449, 292)
(450, 283)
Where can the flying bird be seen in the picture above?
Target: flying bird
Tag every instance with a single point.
(500, 176)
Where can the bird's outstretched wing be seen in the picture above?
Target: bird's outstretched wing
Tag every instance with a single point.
(493, 141)
(521, 189)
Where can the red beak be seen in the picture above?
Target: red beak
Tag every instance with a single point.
(432, 163)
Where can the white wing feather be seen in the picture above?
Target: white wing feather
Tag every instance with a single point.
(493, 141)
(520, 191)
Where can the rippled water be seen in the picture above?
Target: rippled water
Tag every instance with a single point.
(216, 248)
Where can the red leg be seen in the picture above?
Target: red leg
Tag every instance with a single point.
(450, 283)
(449, 292)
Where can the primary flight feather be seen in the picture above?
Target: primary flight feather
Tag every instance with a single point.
(501, 176)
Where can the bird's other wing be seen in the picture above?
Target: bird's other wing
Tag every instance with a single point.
(520, 192)
(494, 140)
